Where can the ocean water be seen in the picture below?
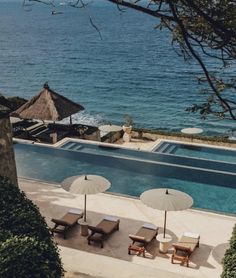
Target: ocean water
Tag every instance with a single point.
(132, 70)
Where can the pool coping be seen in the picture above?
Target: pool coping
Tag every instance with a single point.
(152, 148)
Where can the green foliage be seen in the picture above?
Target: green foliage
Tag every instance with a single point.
(28, 257)
(26, 246)
(8, 105)
(16, 102)
(229, 260)
(24, 217)
(12, 103)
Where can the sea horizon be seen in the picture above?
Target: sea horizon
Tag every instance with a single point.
(132, 70)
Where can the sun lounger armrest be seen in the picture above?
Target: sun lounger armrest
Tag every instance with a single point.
(96, 230)
(137, 238)
(60, 222)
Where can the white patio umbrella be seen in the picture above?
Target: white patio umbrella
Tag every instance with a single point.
(86, 185)
(192, 130)
(167, 200)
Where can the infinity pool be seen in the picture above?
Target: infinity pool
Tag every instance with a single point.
(132, 172)
(198, 151)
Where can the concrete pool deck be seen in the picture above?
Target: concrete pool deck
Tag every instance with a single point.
(82, 260)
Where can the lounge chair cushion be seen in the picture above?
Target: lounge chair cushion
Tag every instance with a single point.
(103, 229)
(60, 222)
(107, 226)
(147, 234)
(137, 238)
(68, 220)
(185, 247)
(142, 238)
(188, 242)
(96, 229)
(71, 218)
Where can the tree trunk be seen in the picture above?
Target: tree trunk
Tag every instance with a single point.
(7, 157)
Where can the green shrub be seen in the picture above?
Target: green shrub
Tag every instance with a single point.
(4, 235)
(18, 214)
(229, 260)
(27, 257)
(26, 247)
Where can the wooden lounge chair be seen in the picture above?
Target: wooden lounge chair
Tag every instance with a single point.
(103, 229)
(142, 238)
(185, 247)
(63, 225)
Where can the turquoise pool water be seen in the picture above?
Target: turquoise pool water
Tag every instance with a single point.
(197, 151)
(116, 151)
(129, 175)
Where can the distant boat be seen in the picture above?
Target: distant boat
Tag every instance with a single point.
(55, 12)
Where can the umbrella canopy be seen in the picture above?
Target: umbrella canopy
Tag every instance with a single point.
(166, 200)
(192, 130)
(86, 185)
(47, 105)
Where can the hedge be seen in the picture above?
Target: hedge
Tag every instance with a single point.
(26, 246)
(229, 260)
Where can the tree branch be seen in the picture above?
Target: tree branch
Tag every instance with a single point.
(141, 9)
(194, 54)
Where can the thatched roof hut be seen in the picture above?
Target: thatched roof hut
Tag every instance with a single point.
(48, 105)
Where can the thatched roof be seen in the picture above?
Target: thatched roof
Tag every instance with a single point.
(48, 105)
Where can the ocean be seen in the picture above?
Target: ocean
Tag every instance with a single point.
(132, 69)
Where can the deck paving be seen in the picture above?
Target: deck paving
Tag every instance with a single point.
(82, 260)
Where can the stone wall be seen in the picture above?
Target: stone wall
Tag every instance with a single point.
(7, 157)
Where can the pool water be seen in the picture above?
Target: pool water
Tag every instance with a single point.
(197, 151)
(116, 151)
(128, 175)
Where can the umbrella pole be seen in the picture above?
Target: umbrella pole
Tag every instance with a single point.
(70, 120)
(85, 197)
(165, 224)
